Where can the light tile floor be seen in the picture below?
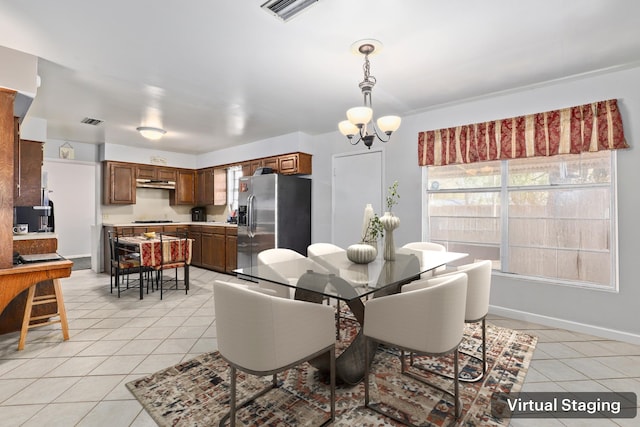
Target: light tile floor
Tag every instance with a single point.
(113, 341)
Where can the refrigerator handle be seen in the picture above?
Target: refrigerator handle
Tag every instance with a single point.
(250, 216)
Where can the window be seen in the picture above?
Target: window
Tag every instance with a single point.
(550, 218)
(233, 175)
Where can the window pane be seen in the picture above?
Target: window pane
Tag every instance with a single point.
(466, 222)
(476, 175)
(586, 168)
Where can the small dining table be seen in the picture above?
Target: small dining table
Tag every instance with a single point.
(333, 275)
(154, 252)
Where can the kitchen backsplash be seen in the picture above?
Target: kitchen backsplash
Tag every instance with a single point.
(154, 204)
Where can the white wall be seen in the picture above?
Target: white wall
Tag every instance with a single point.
(601, 313)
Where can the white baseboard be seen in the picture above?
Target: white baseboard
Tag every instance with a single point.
(598, 331)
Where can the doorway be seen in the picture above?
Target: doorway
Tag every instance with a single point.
(357, 180)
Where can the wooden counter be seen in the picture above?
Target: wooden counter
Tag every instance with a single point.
(21, 277)
(14, 281)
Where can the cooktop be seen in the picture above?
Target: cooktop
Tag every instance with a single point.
(149, 221)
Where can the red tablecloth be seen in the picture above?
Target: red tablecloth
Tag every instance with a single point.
(173, 249)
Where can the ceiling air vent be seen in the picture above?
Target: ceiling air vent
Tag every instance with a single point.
(90, 121)
(286, 9)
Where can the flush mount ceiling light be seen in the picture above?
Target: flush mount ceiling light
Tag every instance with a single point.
(360, 118)
(150, 132)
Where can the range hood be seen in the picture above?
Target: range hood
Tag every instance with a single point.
(156, 183)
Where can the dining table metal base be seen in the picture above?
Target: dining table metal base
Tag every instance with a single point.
(350, 364)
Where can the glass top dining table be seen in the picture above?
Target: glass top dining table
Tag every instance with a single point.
(332, 275)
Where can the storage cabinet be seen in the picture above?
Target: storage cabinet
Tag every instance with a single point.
(294, 164)
(184, 194)
(119, 183)
(271, 162)
(156, 172)
(167, 174)
(231, 249)
(207, 257)
(219, 251)
(27, 175)
(205, 187)
(195, 233)
(219, 186)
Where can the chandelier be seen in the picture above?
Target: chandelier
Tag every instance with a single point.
(360, 121)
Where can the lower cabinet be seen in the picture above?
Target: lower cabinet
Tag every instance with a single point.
(232, 249)
(214, 247)
(195, 233)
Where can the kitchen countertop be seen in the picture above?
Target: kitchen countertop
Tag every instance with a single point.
(143, 224)
(35, 236)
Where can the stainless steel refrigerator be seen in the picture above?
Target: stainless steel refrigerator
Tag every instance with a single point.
(274, 211)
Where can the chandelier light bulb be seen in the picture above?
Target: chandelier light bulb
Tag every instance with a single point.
(347, 128)
(389, 124)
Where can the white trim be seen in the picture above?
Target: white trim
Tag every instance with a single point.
(583, 328)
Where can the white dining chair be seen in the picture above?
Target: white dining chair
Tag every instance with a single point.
(264, 335)
(317, 250)
(286, 266)
(422, 249)
(477, 306)
(428, 320)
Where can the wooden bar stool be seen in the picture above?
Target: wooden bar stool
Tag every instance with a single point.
(32, 300)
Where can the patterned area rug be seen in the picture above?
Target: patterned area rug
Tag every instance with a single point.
(196, 392)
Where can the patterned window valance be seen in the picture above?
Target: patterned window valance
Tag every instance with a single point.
(590, 127)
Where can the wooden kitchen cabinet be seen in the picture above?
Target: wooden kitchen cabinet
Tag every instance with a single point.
(219, 248)
(294, 164)
(219, 186)
(145, 172)
(205, 187)
(119, 183)
(207, 257)
(195, 233)
(271, 162)
(156, 172)
(184, 194)
(167, 174)
(27, 177)
(231, 249)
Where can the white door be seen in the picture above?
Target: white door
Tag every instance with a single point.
(357, 180)
(72, 186)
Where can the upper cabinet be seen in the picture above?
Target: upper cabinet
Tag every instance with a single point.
(211, 186)
(185, 193)
(201, 187)
(119, 183)
(294, 164)
(285, 164)
(156, 172)
(219, 186)
(28, 156)
(204, 187)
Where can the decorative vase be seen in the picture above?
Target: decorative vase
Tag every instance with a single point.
(390, 222)
(361, 253)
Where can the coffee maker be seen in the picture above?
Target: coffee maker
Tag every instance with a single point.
(198, 214)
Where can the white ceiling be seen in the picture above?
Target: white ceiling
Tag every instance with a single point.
(228, 73)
